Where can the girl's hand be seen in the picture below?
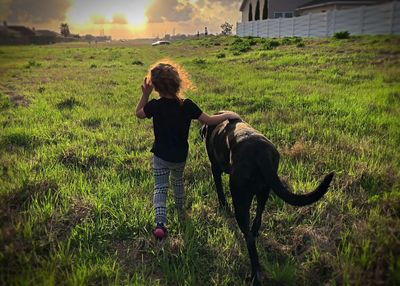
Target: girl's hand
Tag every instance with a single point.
(233, 115)
(147, 87)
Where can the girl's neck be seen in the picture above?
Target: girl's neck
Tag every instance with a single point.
(168, 96)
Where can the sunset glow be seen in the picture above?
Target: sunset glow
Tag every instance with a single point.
(123, 18)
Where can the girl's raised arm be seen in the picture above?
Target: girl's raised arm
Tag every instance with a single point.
(147, 88)
(217, 118)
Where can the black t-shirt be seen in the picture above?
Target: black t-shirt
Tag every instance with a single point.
(171, 122)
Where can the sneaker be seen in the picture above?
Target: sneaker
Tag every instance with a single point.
(160, 232)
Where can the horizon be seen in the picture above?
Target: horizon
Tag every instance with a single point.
(122, 19)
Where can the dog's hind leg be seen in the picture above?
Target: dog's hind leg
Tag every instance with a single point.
(261, 200)
(241, 202)
(218, 185)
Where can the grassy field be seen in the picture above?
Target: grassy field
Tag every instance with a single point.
(75, 172)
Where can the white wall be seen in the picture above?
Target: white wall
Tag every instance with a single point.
(377, 19)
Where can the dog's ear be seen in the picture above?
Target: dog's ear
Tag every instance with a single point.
(203, 131)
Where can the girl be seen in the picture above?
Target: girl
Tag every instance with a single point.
(171, 115)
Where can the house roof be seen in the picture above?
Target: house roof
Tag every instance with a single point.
(25, 31)
(4, 31)
(47, 33)
(319, 3)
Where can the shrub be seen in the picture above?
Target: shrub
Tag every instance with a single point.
(269, 45)
(240, 46)
(341, 35)
(297, 40)
(93, 66)
(32, 64)
(221, 56)
(300, 45)
(274, 43)
(286, 41)
(266, 46)
(199, 61)
(237, 40)
(252, 41)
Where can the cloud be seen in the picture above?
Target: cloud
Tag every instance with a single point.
(226, 3)
(99, 20)
(169, 11)
(119, 19)
(34, 11)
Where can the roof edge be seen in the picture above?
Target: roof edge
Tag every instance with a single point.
(335, 3)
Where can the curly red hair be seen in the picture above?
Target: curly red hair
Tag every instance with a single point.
(169, 78)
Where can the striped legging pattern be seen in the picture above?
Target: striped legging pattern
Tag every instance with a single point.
(162, 170)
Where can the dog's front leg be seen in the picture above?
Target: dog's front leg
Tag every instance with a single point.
(216, 171)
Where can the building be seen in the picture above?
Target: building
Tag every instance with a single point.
(16, 35)
(254, 10)
(320, 6)
(321, 18)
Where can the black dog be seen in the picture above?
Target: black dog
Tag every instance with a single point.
(251, 161)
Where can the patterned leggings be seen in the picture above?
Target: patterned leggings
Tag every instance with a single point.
(161, 171)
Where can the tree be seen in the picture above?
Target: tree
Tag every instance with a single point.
(64, 29)
(226, 28)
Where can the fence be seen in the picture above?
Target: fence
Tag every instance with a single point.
(377, 19)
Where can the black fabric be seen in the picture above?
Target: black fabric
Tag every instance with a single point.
(171, 123)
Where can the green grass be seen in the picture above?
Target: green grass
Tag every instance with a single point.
(75, 171)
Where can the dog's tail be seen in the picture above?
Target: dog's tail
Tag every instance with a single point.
(299, 200)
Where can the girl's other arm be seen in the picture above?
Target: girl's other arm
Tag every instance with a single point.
(147, 88)
(218, 118)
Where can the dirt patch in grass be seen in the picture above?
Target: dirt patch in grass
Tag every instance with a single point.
(15, 98)
(58, 226)
(68, 103)
(20, 198)
(17, 139)
(73, 157)
(386, 57)
(92, 123)
(16, 247)
(13, 245)
(372, 182)
(132, 255)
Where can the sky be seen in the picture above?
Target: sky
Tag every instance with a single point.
(123, 19)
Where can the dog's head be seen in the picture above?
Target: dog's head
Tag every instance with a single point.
(206, 130)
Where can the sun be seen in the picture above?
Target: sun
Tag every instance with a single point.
(136, 18)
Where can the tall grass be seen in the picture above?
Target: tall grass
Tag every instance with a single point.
(76, 183)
